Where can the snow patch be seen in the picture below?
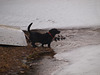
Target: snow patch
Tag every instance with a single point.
(83, 61)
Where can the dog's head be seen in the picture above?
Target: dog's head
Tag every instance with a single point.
(54, 31)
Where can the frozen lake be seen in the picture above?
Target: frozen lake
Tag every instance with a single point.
(50, 13)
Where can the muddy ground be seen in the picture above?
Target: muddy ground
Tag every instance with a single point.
(17, 60)
(39, 61)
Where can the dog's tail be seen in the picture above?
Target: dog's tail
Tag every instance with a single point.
(29, 28)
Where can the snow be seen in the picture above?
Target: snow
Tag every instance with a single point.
(50, 13)
(81, 53)
(83, 61)
(12, 36)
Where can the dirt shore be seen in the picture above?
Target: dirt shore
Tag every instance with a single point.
(14, 60)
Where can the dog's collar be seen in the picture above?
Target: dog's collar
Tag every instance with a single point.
(51, 35)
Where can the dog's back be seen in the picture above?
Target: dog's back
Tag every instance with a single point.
(45, 38)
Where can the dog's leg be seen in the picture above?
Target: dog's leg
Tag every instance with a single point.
(42, 45)
(33, 44)
(49, 45)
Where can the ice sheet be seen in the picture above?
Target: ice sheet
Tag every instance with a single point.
(50, 13)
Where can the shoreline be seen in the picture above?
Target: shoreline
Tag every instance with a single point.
(19, 60)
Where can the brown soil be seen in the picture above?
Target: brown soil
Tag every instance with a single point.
(11, 57)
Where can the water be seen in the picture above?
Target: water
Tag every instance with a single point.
(75, 38)
(50, 13)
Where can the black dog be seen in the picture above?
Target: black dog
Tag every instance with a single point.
(45, 38)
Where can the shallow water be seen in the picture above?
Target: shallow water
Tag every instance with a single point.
(75, 38)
